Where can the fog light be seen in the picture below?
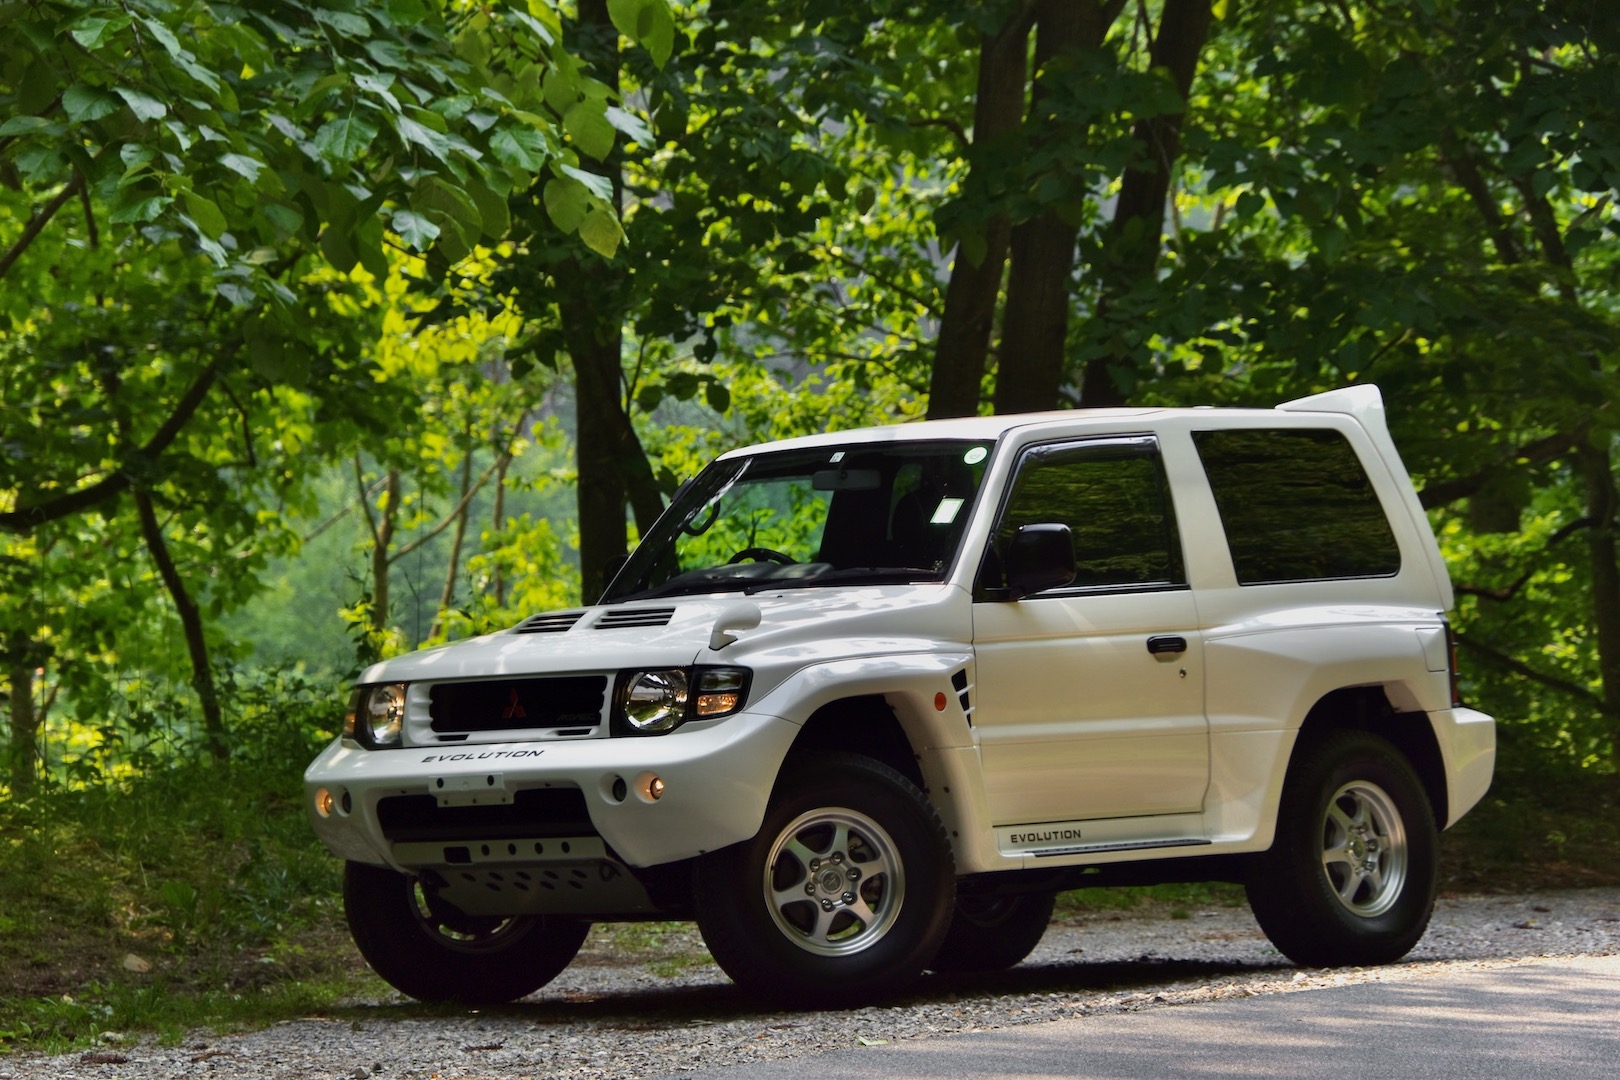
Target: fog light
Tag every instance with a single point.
(323, 802)
(652, 787)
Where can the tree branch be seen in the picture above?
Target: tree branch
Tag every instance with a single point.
(1519, 667)
(31, 515)
(36, 224)
(1540, 452)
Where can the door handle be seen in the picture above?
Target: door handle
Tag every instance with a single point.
(1166, 645)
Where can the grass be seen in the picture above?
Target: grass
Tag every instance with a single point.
(208, 880)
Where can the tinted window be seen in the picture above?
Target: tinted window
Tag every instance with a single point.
(1297, 506)
(1113, 497)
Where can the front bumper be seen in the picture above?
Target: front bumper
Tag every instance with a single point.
(716, 781)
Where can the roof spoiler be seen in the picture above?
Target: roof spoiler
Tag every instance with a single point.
(1363, 402)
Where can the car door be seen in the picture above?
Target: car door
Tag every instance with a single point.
(1090, 695)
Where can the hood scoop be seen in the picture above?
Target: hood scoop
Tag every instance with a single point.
(620, 619)
(552, 622)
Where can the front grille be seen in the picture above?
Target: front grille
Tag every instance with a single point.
(617, 620)
(533, 813)
(572, 701)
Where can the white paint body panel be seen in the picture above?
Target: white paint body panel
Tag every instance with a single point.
(1077, 746)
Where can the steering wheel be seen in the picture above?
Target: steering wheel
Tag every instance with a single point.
(763, 554)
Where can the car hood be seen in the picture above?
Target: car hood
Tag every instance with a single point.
(798, 624)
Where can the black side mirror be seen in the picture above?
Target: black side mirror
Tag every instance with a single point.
(1039, 557)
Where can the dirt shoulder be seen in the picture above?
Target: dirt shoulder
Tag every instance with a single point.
(653, 1005)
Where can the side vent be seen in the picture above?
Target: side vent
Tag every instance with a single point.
(960, 682)
(627, 617)
(552, 622)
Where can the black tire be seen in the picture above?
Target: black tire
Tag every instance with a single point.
(993, 933)
(842, 897)
(1350, 878)
(433, 952)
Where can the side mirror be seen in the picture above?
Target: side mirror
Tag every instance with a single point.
(1039, 557)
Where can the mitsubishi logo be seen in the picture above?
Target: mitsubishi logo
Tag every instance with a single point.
(514, 708)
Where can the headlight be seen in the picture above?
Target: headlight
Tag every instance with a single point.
(654, 701)
(377, 715)
(657, 702)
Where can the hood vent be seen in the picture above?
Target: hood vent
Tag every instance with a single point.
(554, 622)
(618, 620)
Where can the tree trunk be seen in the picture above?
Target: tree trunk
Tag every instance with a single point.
(1035, 322)
(1137, 231)
(1597, 471)
(961, 351)
(498, 516)
(202, 673)
(382, 540)
(22, 748)
(613, 468)
(457, 535)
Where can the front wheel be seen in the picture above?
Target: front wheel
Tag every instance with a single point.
(1350, 877)
(431, 951)
(842, 897)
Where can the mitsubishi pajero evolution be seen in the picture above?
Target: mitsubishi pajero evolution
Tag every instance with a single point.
(861, 703)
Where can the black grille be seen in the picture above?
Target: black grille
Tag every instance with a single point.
(573, 701)
(537, 812)
(550, 623)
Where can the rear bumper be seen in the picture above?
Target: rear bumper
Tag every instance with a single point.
(1468, 748)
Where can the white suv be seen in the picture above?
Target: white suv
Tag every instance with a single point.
(862, 703)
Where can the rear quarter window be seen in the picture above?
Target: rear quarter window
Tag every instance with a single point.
(1296, 505)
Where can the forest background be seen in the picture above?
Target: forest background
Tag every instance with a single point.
(330, 329)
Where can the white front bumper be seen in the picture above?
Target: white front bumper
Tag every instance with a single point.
(716, 784)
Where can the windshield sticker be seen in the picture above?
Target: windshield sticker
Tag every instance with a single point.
(975, 455)
(836, 458)
(946, 511)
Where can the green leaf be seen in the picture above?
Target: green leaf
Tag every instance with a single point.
(140, 211)
(84, 103)
(597, 185)
(206, 213)
(718, 396)
(587, 124)
(23, 125)
(566, 203)
(346, 139)
(242, 165)
(492, 209)
(417, 134)
(439, 197)
(143, 105)
(354, 26)
(630, 125)
(601, 232)
(520, 148)
(415, 229)
(657, 35)
(94, 31)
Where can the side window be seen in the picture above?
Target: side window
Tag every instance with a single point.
(1113, 497)
(1297, 506)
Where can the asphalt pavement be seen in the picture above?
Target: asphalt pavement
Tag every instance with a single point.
(1549, 1019)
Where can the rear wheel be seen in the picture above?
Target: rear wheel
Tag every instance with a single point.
(1350, 877)
(432, 951)
(991, 933)
(842, 896)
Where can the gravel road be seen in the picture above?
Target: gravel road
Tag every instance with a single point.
(662, 1007)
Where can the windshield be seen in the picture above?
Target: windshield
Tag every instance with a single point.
(860, 514)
